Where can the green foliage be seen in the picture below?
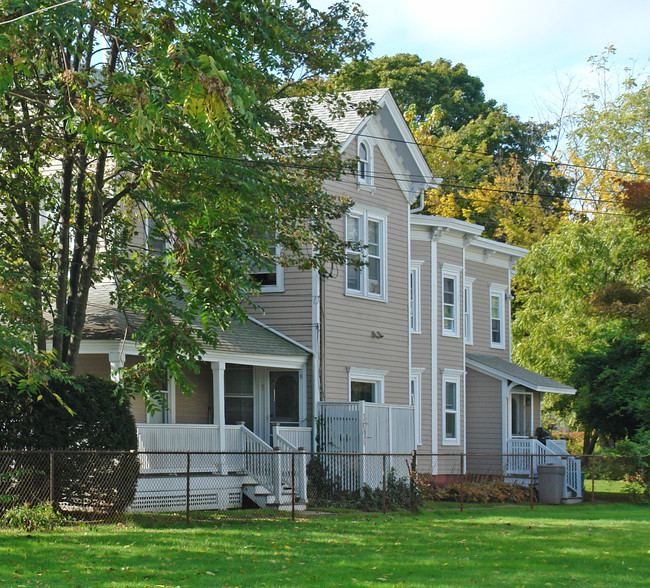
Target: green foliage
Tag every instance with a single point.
(114, 114)
(85, 413)
(80, 415)
(41, 517)
(438, 89)
(484, 491)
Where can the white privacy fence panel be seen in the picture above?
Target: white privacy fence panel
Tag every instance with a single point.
(368, 428)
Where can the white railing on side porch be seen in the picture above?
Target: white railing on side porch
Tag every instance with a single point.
(521, 451)
(291, 452)
(164, 449)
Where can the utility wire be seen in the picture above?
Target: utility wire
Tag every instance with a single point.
(40, 10)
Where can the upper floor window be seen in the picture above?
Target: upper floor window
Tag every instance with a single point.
(271, 276)
(497, 316)
(414, 299)
(450, 299)
(468, 324)
(156, 242)
(364, 166)
(369, 278)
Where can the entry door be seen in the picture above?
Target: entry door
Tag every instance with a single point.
(284, 398)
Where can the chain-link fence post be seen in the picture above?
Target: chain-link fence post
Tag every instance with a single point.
(187, 491)
(412, 479)
(293, 487)
(383, 483)
(462, 480)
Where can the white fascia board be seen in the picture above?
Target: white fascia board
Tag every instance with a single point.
(499, 375)
(448, 224)
(484, 244)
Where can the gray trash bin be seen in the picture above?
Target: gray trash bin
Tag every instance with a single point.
(551, 483)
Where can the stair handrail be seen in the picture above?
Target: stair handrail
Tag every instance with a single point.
(260, 463)
(299, 483)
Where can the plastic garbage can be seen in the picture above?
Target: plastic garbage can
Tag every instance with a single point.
(550, 483)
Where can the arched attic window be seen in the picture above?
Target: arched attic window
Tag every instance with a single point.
(365, 171)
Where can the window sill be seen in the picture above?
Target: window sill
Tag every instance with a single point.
(450, 334)
(365, 296)
(366, 187)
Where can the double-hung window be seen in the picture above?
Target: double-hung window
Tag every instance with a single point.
(497, 316)
(365, 272)
(450, 299)
(271, 277)
(468, 324)
(450, 407)
(415, 400)
(414, 298)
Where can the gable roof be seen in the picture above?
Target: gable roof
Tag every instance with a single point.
(504, 370)
(106, 322)
(392, 136)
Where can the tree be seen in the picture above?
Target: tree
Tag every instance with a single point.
(424, 87)
(613, 383)
(116, 115)
(556, 329)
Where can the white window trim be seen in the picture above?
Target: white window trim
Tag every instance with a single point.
(416, 402)
(168, 413)
(415, 298)
(365, 216)
(279, 275)
(532, 406)
(373, 376)
(452, 272)
(498, 291)
(468, 311)
(453, 377)
(368, 181)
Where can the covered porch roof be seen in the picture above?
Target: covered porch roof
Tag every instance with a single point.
(504, 370)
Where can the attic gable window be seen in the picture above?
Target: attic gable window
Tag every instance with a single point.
(364, 166)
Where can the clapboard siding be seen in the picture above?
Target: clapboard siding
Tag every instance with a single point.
(484, 275)
(350, 321)
(484, 413)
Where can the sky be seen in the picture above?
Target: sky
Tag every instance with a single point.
(527, 53)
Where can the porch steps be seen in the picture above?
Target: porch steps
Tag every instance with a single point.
(265, 499)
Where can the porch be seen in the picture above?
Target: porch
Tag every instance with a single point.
(222, 466)
(522, 452)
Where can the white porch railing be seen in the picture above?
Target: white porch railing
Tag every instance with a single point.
(519, 458)
(164, 448)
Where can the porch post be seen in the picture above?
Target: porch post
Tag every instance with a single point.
(218, 401)
(116, 359)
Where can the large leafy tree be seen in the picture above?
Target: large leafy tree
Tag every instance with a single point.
(118, 115)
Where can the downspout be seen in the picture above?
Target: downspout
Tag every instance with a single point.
(316, 347)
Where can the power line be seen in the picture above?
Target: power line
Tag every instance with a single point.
(39, 11)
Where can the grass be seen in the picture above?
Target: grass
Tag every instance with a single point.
(580, 545)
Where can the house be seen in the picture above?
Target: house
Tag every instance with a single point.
(410, 350)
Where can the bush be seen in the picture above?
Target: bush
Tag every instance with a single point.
(489, 490)
(41, 517)
(90, 415)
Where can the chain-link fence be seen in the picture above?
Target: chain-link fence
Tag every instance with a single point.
(107, 486)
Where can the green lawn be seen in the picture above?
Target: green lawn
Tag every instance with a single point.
(579, 545)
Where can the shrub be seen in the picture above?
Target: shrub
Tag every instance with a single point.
(41, 517)
(489, 490)
(90, 415)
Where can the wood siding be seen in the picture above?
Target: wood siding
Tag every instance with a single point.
(349, 321)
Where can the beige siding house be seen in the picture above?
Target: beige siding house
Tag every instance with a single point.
(413, 345)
